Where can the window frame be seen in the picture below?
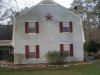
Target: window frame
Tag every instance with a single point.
(31, 26)
(66, 26)
(35, 27)
(67, 49)
(32, 51)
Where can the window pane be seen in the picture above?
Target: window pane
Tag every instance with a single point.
(65, 29)
(67, 47)
(31, 24)
(32, 54)
(32, 30)
(31, 27)
(65, 24)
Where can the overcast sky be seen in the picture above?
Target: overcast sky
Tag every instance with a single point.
(28, 3)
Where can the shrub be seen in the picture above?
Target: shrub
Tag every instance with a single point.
(10, 58)
(92, 46)
(98, 46)
(89, 56)
(54, 57)
(97, 55)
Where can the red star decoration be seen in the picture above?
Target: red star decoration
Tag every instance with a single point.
(48, 17)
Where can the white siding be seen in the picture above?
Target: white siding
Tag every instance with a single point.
(49, 37)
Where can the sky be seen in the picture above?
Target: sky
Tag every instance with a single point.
(28, 3)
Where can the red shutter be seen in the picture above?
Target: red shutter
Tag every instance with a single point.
(37, 51)
(37, 27)
(61, 49)
(26, 27)
(70, 26)
(26, 51)
(71, 49)
(61, 27)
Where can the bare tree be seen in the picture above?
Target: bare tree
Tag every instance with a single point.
(6, 12)
(89, 11)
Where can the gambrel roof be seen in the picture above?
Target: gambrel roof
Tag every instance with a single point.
(46, 2)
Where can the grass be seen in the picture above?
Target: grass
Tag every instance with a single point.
(90, 69)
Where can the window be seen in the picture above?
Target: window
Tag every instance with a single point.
(32, 51)
(66, 27)
(66, 48)
(32, 54)
(31, 27)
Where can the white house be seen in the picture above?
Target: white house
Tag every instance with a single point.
(45, 27)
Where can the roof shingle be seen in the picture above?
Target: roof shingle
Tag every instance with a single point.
(6, 32)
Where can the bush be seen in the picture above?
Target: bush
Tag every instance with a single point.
(97, 55)
(54, 57)
(10, 58)
(92, 46)
(89, 56)
(98, 46)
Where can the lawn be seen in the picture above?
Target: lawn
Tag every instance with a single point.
(87, 69)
